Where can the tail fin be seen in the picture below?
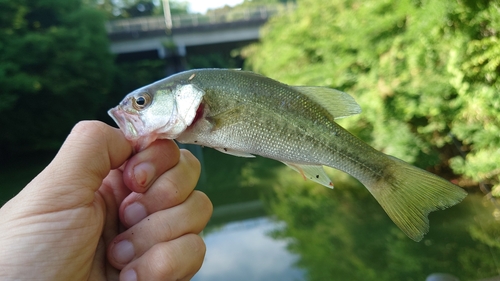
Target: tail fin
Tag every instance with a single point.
(408, 194)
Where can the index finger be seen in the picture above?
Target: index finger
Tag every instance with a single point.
(145, 167)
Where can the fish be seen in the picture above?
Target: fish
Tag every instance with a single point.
(245, 114)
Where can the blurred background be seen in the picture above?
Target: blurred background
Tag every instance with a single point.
(426, 74)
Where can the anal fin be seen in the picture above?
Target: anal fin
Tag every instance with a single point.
(312, 172)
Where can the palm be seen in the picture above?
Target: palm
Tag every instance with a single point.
(92, 228)
(67, 223)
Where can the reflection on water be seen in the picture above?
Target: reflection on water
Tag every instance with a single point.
(340, 234)
(243, 250)
(337, 240)
(302, 231)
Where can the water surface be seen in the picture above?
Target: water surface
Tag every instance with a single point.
(305, 231)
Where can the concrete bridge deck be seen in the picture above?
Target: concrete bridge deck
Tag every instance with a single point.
(151, 33)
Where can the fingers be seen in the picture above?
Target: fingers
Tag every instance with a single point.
(146, 166)
(189, 217)
(170, 189)
(178, 259)
(160, 243)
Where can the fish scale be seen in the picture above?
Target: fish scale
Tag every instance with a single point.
(244, 114)
(305, 150)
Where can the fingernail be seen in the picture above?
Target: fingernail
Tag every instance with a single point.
(123, 251)
(129, 275)
(134, 213)
(144, 173)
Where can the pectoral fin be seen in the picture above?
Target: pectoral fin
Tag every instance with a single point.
(312, 172)
(226, 118)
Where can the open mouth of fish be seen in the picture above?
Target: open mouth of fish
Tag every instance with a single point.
(128, 123)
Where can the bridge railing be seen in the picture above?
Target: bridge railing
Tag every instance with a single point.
(154, 23)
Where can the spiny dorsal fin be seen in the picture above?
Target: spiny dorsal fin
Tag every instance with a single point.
(338, 103)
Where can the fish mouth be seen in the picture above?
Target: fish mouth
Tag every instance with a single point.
(128, 123)
(133, 128)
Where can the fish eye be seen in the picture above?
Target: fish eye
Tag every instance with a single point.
(141, 101)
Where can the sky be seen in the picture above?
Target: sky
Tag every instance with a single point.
(201, 6)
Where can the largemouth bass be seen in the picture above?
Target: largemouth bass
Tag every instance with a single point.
(245, 114)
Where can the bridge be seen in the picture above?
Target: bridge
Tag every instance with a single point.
(148, 34)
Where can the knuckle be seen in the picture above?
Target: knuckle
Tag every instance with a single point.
(168, 232)
(162, 263)
(88, 127)
(89, 132)
(191, 161)
(167, 149)
(176, 259)
(198, 245)
(204, 203)
(174, 196)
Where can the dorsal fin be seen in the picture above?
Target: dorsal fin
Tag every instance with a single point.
(338, 103)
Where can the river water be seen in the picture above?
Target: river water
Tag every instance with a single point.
(269, 224)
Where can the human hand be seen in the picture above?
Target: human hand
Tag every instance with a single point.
(85, 218)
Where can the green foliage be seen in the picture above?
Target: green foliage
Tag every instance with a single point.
(127, 77)
(56, 69)
(213, 60)
(137, 8)
(178, 7)
(424, 72)
(131, 75)
(249, 3)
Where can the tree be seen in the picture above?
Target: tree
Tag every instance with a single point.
(424, 72)
(265, 2)
(56, 69)
(178, 7)
(138, 8)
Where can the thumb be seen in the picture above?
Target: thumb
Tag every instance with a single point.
(90, 151)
